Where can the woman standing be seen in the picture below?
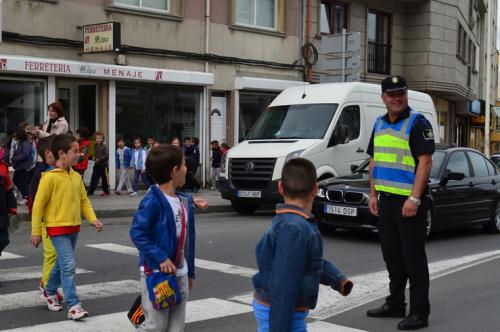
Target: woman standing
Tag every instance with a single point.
(56, 124)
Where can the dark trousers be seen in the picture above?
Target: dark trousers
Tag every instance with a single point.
(4, 239)
(100, 172)
(144, 178)
(22, 179)
(403, 248)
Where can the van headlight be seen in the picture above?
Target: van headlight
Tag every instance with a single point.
(293, 155)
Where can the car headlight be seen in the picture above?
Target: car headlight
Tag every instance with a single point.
(321, 193)
(293, 155)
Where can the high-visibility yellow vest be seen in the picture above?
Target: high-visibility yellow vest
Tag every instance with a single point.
(394, 165)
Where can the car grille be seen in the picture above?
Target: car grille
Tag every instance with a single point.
(251, 173)
(352, 197)
(334, 195)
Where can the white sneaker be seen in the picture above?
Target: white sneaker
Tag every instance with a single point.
(76, 312)
(52, 302)
(133, 194)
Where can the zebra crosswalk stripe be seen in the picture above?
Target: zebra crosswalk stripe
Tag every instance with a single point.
(8, 255)
(25, 273)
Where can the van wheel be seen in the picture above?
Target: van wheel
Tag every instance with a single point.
(493, 226)
(243, 208)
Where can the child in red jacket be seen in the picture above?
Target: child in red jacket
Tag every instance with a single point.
(8, 205)
(82, 135)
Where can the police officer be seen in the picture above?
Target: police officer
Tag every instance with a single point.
(401, 148)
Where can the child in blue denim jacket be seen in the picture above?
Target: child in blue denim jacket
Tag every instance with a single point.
(290, 257)
(156, 230)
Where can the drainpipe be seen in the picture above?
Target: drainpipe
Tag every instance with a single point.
(205, 105)
(488, 81)
(309, 38)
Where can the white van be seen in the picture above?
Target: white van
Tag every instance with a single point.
(329, 124)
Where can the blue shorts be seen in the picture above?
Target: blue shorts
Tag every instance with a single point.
(262, 316)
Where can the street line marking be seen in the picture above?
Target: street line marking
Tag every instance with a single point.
(199, 310)
(319, 326)
(199, 263)
(25, 273)
(8, 255)
(373, 286)
(85, 292)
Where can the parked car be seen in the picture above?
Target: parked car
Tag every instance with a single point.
(464, 189)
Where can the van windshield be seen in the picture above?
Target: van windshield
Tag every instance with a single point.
(294, 121)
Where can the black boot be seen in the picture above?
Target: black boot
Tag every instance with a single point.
(413, 322)
(386, 311)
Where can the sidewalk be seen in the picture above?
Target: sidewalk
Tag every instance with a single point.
(123, 206)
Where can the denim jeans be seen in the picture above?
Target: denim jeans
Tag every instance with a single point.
(261, 313)
(63, 272)
(137, 173)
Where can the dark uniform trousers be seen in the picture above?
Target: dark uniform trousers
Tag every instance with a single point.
(99, 172)
(403, 248)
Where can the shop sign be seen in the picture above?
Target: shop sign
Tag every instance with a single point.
(103, 37)
(56, 67)
(477, 120)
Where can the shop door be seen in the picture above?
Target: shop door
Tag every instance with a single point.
(218, 119)
(79, 101)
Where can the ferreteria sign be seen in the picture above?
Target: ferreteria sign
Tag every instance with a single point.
(63, 68)
(102, 37)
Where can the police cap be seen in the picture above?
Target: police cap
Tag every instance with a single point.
(393, 83)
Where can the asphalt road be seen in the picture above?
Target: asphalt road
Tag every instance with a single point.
(465, 292)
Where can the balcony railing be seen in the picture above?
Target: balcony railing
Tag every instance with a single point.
(379, 58)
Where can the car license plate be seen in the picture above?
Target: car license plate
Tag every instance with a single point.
(341, 210)
(249, 194)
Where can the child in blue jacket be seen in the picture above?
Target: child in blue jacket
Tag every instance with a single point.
(155, 231)
(123, 159)
(290, 257)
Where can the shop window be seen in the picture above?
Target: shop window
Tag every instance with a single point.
(379, 42)
(260, 14)
(152, 5)
(251, 107)
(21, 100)
(333, 17)
(160, 111)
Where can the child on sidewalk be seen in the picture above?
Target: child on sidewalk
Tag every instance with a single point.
(100, 170)
(123, 157)
(8, 204)
(162, 217)
(139, 165)
(49, 253)
(82, 136)
(60, 200)
(290, 256)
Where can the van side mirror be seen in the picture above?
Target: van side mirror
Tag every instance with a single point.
(340, 135)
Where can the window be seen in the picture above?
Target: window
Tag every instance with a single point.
(21, 100)
(458, 163)
(462, 44)
(161, 111)
(333, 17)
(351, 118)
(154, 5)
(256, 13)
(379, 43)
(479, 165)
(437, 161)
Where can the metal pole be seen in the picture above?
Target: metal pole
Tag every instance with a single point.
(344, 35)
(112, 133)
(488, 81)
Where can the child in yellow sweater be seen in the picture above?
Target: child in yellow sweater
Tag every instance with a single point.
(60, 200)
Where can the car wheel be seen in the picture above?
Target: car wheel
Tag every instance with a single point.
(494, 225)
(244, 208)
(428, 223)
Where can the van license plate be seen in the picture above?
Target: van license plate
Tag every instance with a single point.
(249, 194)
(341, 210)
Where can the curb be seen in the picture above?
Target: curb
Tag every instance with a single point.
(122, 213)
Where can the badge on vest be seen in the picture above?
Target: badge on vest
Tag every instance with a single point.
(428, 134)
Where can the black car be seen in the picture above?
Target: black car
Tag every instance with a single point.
(464, 188)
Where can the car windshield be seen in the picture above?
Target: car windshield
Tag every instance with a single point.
(294, 121)
(437, 161)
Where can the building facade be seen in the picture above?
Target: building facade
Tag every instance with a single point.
(443, 48)
(182, 68)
